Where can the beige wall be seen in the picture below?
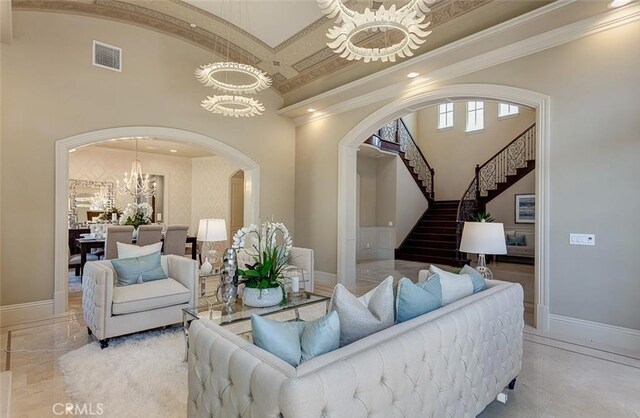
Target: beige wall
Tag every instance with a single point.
(389, 198)
(211, 189)
(411, 122)
(454, 153)
(70, 96)
(387, 190)
(107, 164)
(316, 184)
(410, 202)
(367, 190)
(502, 208)
(1, 142)
(594, 87)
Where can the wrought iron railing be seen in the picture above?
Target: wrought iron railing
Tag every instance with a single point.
(495, 170)
(396, 131)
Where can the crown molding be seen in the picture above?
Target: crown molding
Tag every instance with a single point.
(555, 37)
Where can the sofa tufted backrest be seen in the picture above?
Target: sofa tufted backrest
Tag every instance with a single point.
(449, 362)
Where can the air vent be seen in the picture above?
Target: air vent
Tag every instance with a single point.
(107, 56)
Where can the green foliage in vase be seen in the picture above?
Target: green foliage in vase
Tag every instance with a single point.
(482, 216)
(107, 215)
(269, 259)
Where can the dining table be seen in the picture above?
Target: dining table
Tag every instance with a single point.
(87, 244)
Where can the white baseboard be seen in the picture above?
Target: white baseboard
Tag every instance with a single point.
(612, 337)
(542, 318)
(26, 312)
(5, 394)
(324, 278)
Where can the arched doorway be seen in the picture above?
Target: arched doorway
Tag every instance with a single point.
(347, 175)
(250, 168)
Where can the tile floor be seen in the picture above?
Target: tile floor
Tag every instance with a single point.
(558, 379)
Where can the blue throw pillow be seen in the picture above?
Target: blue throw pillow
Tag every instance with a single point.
(476, 278)
(413, 300)
(297, 342)
(134, 270)
(516, 240)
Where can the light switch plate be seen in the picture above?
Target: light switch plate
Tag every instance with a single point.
(582, 239)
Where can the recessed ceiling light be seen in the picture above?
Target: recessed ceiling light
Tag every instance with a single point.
(311, 110)
(193, 25)
(173, 150)
(413, 74)
(150, 147)
(619, 3)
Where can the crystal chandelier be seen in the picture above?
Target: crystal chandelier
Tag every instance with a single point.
(100, 200)
(236, 106)
(407, 20)
(136, 184)
(205, 74)
(232, 103)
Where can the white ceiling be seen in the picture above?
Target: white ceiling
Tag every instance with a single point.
(158, 146)
(270, 21)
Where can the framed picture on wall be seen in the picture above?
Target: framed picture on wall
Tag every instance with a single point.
(525, 208)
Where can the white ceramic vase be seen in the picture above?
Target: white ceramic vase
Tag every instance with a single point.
(262, 298)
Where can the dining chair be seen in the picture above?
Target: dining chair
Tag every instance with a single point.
(149, 234)
(116, 234)
(175, 239)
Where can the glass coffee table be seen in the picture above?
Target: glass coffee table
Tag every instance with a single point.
(213, 310)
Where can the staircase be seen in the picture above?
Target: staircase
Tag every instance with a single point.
(395, 137)
(434, 239)
(436, 236)
(498, 173)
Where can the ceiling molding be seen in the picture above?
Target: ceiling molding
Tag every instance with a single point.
(561, 35)
(6, 27)
(295, 63)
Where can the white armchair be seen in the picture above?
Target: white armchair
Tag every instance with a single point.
(110, 310)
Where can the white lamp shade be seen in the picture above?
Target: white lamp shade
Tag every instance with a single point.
(483, 238)
(212, 230)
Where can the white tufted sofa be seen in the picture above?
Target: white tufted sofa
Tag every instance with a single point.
(451, 362)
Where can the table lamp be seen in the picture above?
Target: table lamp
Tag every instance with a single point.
(483, 238)
(211, 230)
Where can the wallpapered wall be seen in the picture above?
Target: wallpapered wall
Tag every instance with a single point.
(106, 164)
(196, 188)
(210, 189)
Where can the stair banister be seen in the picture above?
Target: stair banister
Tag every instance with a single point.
(489, 175)
(396, 138)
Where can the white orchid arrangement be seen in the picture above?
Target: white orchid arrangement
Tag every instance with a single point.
(270, 259)
(136, 214)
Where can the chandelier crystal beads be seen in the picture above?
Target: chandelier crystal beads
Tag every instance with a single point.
(407, 20)
(236, 106)
(206, 75)
(136, 184)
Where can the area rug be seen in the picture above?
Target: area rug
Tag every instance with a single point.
(140, 375)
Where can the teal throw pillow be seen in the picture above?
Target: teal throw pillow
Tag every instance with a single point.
(297, 342)
(135, 270)
(476, 278)
(413, 299)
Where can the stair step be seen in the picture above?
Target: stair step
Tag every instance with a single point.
(437, 209)
(438, 223)
(434, 229)
(447, 261)
(420, 243)
(432, 236)
(439, 252)
(440, 217)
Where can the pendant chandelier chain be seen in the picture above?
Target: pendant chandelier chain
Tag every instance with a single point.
(233, 103)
